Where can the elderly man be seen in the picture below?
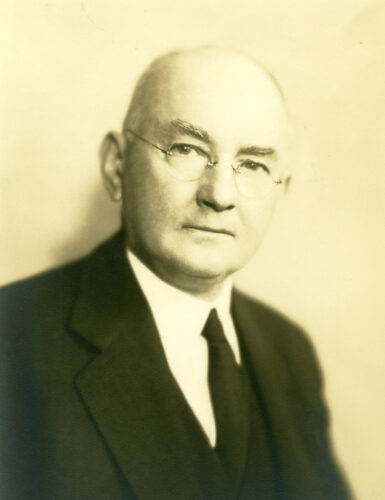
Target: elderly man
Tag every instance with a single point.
(138, 372)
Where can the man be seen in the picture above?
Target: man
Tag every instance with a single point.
(137, 372)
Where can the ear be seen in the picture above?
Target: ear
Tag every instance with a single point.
(111, 164)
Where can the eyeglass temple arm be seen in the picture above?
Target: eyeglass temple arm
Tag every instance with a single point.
(146, 141)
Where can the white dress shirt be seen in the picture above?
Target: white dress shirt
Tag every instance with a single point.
(180, 318)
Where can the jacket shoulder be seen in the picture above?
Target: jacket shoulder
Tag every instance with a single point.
(30, 302)
(286, 338)
(277, 323)
(44, 302)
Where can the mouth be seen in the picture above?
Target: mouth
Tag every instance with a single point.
(208, 229)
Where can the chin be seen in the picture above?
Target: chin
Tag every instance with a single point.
(206, 266)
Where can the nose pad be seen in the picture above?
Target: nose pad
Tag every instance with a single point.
(217, 188)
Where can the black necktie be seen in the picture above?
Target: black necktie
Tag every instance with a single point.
(227, 395)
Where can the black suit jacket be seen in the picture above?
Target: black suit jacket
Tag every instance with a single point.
(90, 409)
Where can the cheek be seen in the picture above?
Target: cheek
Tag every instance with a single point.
(154, 204)
(144, 210)
(255, 219)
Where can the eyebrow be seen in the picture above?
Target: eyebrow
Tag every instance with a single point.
(256, 151)
(200, 133)
(188, 128)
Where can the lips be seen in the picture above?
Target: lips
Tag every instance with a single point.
(209, 229)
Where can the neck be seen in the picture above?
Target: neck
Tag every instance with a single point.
(201, 288)
(205, 288)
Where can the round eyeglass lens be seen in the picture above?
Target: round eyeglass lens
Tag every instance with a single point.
(253, 183)
(185, 162)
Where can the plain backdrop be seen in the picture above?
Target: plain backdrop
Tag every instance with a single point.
(67, 71)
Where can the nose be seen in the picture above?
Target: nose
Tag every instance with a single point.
(217, 188)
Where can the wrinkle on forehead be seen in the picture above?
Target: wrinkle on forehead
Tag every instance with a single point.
(176, 72)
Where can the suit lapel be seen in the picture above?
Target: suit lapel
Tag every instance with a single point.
(270, 378)
(259, 474)
(129, 391)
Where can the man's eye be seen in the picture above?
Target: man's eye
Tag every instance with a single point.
(252, 165)
(182, 149)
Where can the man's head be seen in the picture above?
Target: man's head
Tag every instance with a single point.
(195, 227)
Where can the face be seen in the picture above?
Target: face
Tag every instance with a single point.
(195, 233)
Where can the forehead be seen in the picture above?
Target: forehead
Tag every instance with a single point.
(227, 95)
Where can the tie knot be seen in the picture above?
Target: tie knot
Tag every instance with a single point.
(213, 331)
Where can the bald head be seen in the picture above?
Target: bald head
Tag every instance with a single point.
(218, 75)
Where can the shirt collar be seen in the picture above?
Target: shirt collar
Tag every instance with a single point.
(165, 299)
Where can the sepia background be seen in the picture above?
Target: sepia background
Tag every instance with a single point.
(67, 69)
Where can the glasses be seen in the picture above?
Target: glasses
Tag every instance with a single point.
(188, 162)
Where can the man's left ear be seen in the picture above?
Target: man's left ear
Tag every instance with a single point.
(111, 163)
